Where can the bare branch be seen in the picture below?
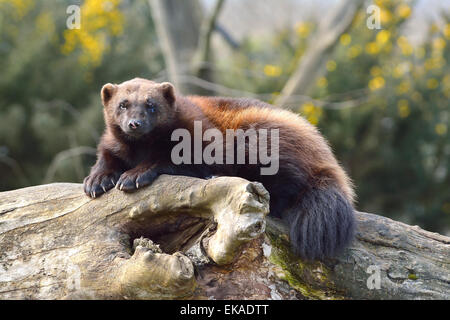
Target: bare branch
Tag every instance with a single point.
(227, 37)
(16, 169)
(64, 155)
(357, 97)
(203, 52)
(311, 65)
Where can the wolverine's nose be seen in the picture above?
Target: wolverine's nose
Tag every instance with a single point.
(134, 124)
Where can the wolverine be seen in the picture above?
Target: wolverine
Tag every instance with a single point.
(310, 191)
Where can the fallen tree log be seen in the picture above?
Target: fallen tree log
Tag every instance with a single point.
(202, 239)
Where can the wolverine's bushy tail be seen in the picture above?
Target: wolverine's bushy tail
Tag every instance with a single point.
(321, 224)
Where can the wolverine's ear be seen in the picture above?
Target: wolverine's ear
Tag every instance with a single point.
(168, 91)
(107, 92)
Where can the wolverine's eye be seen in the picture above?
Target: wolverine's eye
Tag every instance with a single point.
(150, 105)
(123, 106)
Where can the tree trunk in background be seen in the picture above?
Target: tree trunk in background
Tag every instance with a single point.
(311, 65)
(57, 243)
(177, 24)
(203, 54)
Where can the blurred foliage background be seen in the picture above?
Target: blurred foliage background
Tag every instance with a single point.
(382, 101)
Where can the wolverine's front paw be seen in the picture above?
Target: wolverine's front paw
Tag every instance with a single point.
(135, 178)
(98, 183)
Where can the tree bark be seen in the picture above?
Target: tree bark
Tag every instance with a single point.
(57, 243)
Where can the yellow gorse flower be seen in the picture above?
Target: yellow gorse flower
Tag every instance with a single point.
(331, 65)
(439, 43)
(398, 71)
(372, 48)
(447, 31)
(98, 19)
(434, 28)
(434, 63)
(440, 129)
(354, 51)
(381, 3)
(45, 24)
(303, 29)
(345, 39)
(272, 71)
(405, 46)
(21, 7)
(420, 52)
(385, 16)
(403, 11)
(383, 36)
(432, 83)
(376, 83)
(311, 112)
(446, 81)
(322, 82)
(403, 108)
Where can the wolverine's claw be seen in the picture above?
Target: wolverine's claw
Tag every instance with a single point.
(99, 183)
(134, 179)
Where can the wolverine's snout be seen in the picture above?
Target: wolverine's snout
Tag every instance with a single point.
(134, 124)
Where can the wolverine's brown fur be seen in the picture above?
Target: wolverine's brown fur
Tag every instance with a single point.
(300, 140)
(310, 191)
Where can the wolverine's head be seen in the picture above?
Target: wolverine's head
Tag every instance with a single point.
(136, 107)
